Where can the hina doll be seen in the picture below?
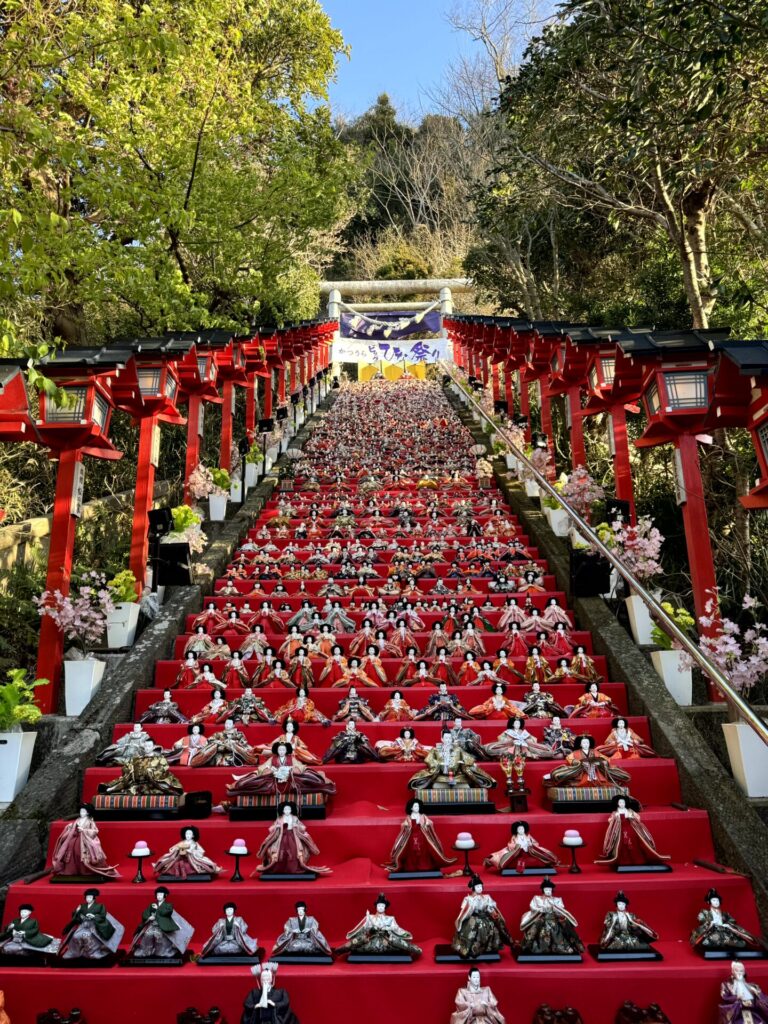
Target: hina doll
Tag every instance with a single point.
(92, 933)
(521, 852)
(560, 741)
(290, 646)
(78, 852)
(469, 671)
(209, 618)
(548, 928)
(199, 643)
(623, 742)
(227, 748)
(718, 930)
(506, 672)
(22, 936)
(496, 706)
(417, 847)
(469, 741)
(563, 673)
(403, 638)
(372, 666)
(302, 618)
(362, 638)
(269, 620)
(148, 775)
(557, 643)
(448, 766)
(395, 710)
(438, 639)
(538, 703)
(627, 841)
(350, 747)
(441, 668)
(405, 748)
(472, 641)
(288, 846)
(379, 934)
(255, 644)
(517, 740)
(221, 650)
(442, 706)
(302, 936)
(129, 745)
(594, 704)
(205, 677)
(300, 669)
(235, 672)
(163, 712)
(740, 1001)
(290, 734)
(187, 747)
(583, 667)
(389, 650)
(187, 674)
(555, 613)
(409, 668)
(512, 613)
(585, 767)
(354, 676)
(476, 1004)
(248, 708)
(334, 668)
(267, 1004)
(301, 709)
(186, 859)
(623, 931)
(281, 776)
(480, 927)
(355, 707)
(163, 934)
(532, 583)
(229, 937)
(537, 668)
(338, 621)
(275, 679)
(213, 710)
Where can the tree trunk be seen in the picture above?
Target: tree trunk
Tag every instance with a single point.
(695, 208)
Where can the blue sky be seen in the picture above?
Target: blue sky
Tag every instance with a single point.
(400, 47)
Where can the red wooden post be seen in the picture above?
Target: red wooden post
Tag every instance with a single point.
(483, 368)
(495, 382)
(268, 396)
(576, 429)
(281, 375)
(525, 408)
(250, 407)
(545, 406)
(62, 546)
(142, 501)
(193, 442)
(625, 491)
(225, 454)
(509, 391)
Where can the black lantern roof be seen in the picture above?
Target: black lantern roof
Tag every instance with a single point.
(751, 357)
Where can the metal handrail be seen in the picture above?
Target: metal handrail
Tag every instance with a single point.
(720, 680)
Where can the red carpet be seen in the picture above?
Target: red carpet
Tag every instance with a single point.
(365, 815)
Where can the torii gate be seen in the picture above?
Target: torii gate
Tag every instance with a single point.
(443, 287)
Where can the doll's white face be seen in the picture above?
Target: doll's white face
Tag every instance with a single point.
(351, 727)
(149, 746)
(160, 897)
(89, 899)
(189, 834)
(622, 805)
(301, 913)
(229, 725)
(738, 970)
(190, 659)
(282, 750)
(287, 812)
(443, 688)
(478, 889)
(621, 906)
(516, 726)
(195, 730)
(520, 830)
(585, 746)
(380, 908)
(267, 979)
(24, 914)
(83, 812)
(230, 913)
(536, 687)
(556, 722)
(137, 729)
(715, 903)
(353, 691)
(621, 724)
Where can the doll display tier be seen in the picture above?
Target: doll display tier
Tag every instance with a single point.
(367, 811)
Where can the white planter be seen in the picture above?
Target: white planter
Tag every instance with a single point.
(284, 442)
(531, 488)
(577, 541)
(217, 507)
(678, 681)
(640, 620)
(267, 464)
(15, 758)
(121, 624)
(236, 490)
(251, 474)
(82, 679)
(559, 521)
(749, 758)
(273, 454)
(511, 462)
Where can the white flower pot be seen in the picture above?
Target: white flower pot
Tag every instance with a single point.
(531, 488)
(511, 462)
(82, 679)
(236, 490)
(217, 507)
(121, 624)
(559, 521)
(678, 681)
(284, 442)
(15, 759)
(577, 541)
(251, 474)
(640, 620)
(273, 454)
(749, 758)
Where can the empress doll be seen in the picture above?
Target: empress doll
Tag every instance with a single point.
(290, 735)
(480, 927)
(594, 704)
(585, 767)
(627, 841)
(301, 709)
(212, 711)
(623, 742)
(186, 858)
(288, 846)
(417, 847)
(281, 776)
(78, 849)
(521, 852)
(497, 706)
(405, 748)
(200, 644)
(517, 740)
(395, 710)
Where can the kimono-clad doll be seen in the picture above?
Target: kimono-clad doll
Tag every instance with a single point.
(423, 678)
(387, 649)
(498, 705)
(268, 618)
(506, 672)
(409, 668)
(303, 617)
(561, 741)
(627, 841)
(557, 643)
(355, 707)
(438, 639)
(623, 931)
(405, 748)
(395, 710)
(563, 673)
(200, 643)
(227, 748)
(22, 936)
(469, 670)
(362, 638)
(517, 740)
(148, 775)
(740, 1001)
(302, 936)
(212, 711)
(623, 742)
(186, 858)
(338, 620)
(442, 706)
(209, 618)
(221, 650)
(515, 642)
(163, 712)
(480, 927)
(276, 679)
(532, 583)
(300, 669)
(92, 933)
(236, 673)
(538, 703)
(334, 668)
(187, 674)
(288, 846)
(379, 934)
(255, 643)
(486, 676)
(547, 927)
(441, 668)
(521, 852)
(403, 637)
(229, 936)
(282, 776)
(350, 747)
(290, 646)
(372, 666)
(354, 676)
(594, 704)
(448, 766)
(232, 624)
(472, 640)
(290, 734)
(537, 668)
(128, 746)
(719, 930)
(205, 678)
(78, 849)
(476, 1004)
(512, 613)
(265, 664)
(247, 708)
(583, 667)
(417, 847)
(185, 749)
(554, 613)
(585, 767)
(163, 933)
(267, 1004)
(301, 709)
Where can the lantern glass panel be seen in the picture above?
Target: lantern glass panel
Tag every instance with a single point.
(149, 380)
(686, 390)
(594, 383)
(100, 412)
(652, 399)
(171, 386)
(202, 367)
(608, 367)
(73, 412)
(555, 363)
(762, 437)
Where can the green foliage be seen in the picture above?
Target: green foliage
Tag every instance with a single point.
(17, 700)
(681, 618)
(404, 264)
(221, 478)
(19, 618)
(183, 518)
(254, 454)
(122, 587)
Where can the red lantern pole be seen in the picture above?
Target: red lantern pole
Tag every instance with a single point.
(60, 555)
(545, 406)
(268, 396)
(225, 454)
(525, 408)
(250, 407)
(578, 448)
(193, 442)
(143, 497)
(484, 369)
(509, 392)
(495, 382)
(622, 470)
(281, 375)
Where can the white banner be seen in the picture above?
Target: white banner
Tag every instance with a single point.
(350, 350)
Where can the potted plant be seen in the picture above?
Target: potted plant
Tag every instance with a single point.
(582, 492)
(17, 708)
(124, 617)
(82, 618)
(670, 661)
(218, 495)
(557, 517)
(639, 548)
(253, 459)
(540, 459)
(186, 529)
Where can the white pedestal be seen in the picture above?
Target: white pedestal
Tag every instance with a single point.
(559, 521)
(640, 620)
(121, 624)
(236, 491)
(531, 488)
(749, 758)
(251, 474)
(678, 681)
(82, 680)
(15, 760)
(217, 507)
